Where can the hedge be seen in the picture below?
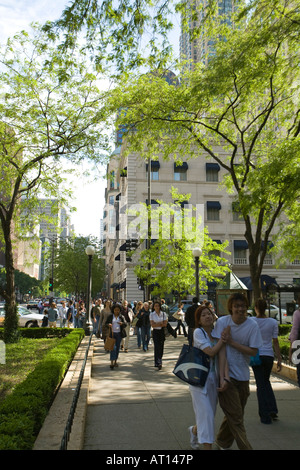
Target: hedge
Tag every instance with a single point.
(23, 412)
(38, 333)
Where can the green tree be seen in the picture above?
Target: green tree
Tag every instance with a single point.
(51, 111)
(245, 101)
(241, 109)
(168, 263)
(70, 268)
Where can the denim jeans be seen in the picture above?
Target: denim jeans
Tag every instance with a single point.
(139, 335)
(114, 354)
(265, 395)
(96, 324)
(145, 332)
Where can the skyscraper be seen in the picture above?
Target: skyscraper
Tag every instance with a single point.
(200, 48)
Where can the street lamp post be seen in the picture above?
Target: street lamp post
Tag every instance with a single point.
(90, 251)
(197, 253)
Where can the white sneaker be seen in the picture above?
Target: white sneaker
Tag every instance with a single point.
(193, 439)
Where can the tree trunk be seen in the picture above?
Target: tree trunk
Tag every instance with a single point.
(255, 270)
(11, 332)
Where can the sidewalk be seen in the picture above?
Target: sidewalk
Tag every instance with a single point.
(137, 407)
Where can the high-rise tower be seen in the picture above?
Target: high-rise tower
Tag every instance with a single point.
(200, 48)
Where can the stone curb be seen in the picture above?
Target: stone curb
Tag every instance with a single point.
(287, 372)
(52, 431)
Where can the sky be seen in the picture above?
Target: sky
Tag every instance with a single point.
(16, 15)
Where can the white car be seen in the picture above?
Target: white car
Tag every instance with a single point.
(275, 313)
(26, 318)
(285, 316)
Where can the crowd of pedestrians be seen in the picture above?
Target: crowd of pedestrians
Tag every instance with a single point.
(229, 341)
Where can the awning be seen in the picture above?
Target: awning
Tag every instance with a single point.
(153, 202)
(213, 166)
(265, 281)
(213, 205)
(154, 164)
(181, 166)
(270, 245)
(240, 244)
(123, 284)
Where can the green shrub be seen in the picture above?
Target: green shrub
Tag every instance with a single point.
(284, 329)
(31, 399)
(41, 332)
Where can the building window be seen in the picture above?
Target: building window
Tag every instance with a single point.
(212, 172)
(154, 170)
(111, 200)
(112, 179)
(236, 212)
(213, 210)
(180, 172)
(240, 251)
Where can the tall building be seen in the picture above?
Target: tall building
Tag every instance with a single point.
(200, 48)
(198, 176)
(127, 176)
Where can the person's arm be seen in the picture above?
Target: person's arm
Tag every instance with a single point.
(277, 352)
(239, 347)
(242, 348)
(224, 378)
(159, 324)
(214, 350)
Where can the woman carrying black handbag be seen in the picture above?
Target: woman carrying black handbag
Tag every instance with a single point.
(205, 398)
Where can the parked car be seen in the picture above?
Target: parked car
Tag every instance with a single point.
(186, 305)
(174, 308)
(26, 318)
(274, 313)
(285, 316)
(32, 304)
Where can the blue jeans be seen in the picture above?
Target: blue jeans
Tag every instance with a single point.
(96, 324)
(145, 332)
(265, 395)
(114, 354)
(139, 336)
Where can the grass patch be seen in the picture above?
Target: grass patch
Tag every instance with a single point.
(21, 358)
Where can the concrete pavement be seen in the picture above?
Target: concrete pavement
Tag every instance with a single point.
(136, 407)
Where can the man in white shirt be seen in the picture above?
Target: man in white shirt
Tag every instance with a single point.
(62, 314)
(242, 342)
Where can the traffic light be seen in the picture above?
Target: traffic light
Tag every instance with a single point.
(131, 244)
(134, 243)
(51, 284)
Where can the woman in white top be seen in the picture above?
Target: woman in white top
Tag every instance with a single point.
(267, 406)
(158, 321)
(205, 398)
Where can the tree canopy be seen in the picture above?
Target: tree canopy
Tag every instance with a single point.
(241, 108)
(51, 110)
